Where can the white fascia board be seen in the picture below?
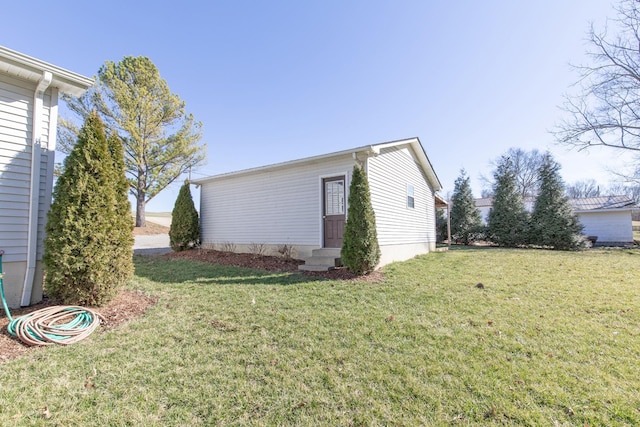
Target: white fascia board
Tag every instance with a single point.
(368, 149)
(277, 166)
(624, 209)
(28, 68)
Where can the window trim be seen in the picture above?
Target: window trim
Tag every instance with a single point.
(411, 198)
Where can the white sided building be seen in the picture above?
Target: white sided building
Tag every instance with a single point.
(304, 203)
(29, 90)
(607, 219)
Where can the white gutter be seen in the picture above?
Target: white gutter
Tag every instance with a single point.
(28, 68)
(370, 149)
(34, 189)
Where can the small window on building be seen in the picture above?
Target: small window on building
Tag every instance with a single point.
(334, 197)
(410, 199)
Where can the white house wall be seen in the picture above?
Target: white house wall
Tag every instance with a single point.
(16, 99)
(609, 226)
(484, 213)
(16, 124)
(403, 232)
(273, 207)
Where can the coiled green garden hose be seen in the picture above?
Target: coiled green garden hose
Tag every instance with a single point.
(61, 324)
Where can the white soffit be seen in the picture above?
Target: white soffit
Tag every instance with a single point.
(27, 68)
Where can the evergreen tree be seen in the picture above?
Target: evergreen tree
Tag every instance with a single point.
(122, 232)
(441, 226)
(466, 221)
(553, 223)
(161, 140)
(89, 228)
(507, 221)
(360, 251)
(184, 232)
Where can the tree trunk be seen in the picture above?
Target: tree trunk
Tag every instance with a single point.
(140, 214)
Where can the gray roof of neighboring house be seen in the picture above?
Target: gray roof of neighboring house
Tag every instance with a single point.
(606, 202)
(484, 202)
(584, 204)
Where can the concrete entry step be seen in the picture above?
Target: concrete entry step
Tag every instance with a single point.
(326, 252)
(323, 259)
(308, 267)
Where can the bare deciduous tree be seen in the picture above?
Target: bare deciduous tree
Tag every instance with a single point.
(605, 109)
(525, 167)
(585, 188)
(630, 190)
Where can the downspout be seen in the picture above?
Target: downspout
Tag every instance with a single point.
(34, 188)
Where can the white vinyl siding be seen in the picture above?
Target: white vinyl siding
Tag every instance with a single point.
(388, 174)
(272, 206)
(610, 225)
(16, 116)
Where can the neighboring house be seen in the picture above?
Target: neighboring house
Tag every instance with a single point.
(304, 203)
(608, 218)
(484, 206)
(29, 90)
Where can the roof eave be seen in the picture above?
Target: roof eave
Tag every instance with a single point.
(281, 165)
(441, 202)
(622, 209)
(369, 149)
(31, 69)
(418, 149)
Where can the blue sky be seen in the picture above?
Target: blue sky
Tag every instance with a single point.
(280, 80)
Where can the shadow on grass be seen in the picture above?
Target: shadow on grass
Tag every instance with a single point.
(461, 247)
(161, 270)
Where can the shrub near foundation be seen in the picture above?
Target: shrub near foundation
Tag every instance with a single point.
(88, 248)
(360, 250)
(184, 232)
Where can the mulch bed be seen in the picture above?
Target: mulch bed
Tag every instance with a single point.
(268, 263)
(125, 306)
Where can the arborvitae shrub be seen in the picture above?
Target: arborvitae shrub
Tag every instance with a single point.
(442, 231)
(122, 232)
(88, 247)
(466, 222)
(184, 232)
(360, 250)
(508, 219)
(553, 222)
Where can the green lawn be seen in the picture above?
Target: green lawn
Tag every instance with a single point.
(552, 339)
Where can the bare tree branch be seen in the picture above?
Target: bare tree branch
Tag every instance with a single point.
(605, 108)
(525, 166)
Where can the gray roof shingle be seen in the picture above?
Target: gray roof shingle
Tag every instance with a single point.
(606, 202)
